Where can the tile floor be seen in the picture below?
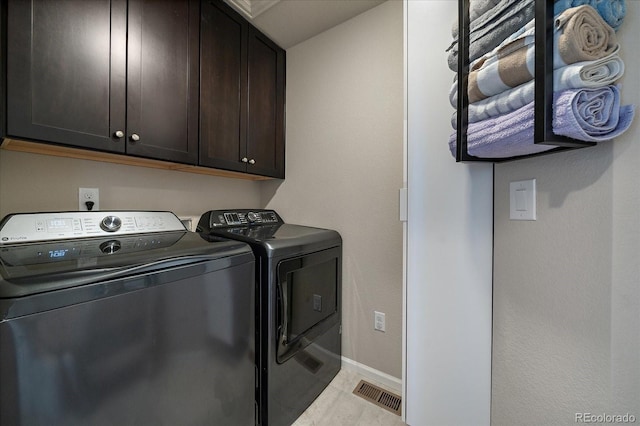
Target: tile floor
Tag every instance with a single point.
(338, 406)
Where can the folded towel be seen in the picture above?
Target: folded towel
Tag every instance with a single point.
(477, 8)
(580, 34)
(612, 11)
(586, 114)
(485, 15)
(583, 35)
(491, 21)
(593, 115)
(601, 72)
(488, 31)
(509, 136)
(587, 74)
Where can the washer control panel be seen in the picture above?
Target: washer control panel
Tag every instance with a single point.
(30, 227)
(223, 218)
(84, 251)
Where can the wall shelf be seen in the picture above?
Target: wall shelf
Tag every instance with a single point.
(544, 45)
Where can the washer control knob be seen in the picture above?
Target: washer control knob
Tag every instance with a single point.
(252, 216)
(110, 247)
(111, 223)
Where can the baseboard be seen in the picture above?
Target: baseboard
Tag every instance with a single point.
(385, 380)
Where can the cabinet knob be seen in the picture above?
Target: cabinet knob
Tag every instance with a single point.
(245, 160)
(135, 137)
(252, 161)
(118, 134)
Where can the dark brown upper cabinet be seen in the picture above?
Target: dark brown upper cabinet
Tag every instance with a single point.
(117, 76)
(242, 78)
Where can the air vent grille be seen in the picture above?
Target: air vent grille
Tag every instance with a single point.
(379, 396)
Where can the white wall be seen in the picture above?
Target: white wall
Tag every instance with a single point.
(567, 286)
(344, 168)
(448, 294)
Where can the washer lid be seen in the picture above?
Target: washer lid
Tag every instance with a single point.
(27, 269)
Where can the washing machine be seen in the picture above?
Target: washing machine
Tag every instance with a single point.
(123, 317)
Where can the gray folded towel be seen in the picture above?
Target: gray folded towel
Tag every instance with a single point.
(488, 31)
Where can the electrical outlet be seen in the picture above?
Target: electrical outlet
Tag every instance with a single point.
(378, 321)
(88, 199)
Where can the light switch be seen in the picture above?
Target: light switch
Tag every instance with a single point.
(522, 200)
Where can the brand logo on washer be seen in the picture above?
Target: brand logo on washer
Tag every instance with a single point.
(14, 238)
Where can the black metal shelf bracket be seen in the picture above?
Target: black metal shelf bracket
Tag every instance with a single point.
(543, 94)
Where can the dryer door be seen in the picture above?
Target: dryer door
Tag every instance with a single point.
(308, 299)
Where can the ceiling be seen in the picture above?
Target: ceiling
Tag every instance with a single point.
(289, 22)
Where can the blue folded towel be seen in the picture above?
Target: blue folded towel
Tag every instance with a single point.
(612, 11)
(508, 135)
(593, 115)
(585, 114)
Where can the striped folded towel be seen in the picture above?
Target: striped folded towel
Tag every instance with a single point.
(587, 74)
(580, 34)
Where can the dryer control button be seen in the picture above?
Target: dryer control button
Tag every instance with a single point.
(252, 216)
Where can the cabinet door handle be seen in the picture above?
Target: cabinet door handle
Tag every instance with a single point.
(252, 161)
(118, 134)
(135, 137)
(245, 160)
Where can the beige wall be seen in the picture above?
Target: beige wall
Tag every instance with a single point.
(33, 182)
(344, 168)
(567, 286)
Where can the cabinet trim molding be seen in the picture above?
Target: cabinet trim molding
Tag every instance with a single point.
(83, 154)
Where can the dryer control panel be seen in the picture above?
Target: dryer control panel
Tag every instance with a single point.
(31, 227)
(233, 218)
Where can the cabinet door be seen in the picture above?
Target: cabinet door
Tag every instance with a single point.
(162, 79)
(265, 133)
(223, 99)
(66, 71)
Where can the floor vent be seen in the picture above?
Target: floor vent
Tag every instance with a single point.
(379, 396)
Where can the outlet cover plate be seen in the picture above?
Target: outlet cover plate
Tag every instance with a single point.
(88, 194)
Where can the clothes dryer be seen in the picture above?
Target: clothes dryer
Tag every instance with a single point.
(298, 306)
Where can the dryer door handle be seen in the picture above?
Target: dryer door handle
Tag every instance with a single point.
(281, 313)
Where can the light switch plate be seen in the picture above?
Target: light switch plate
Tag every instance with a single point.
(522, 200)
